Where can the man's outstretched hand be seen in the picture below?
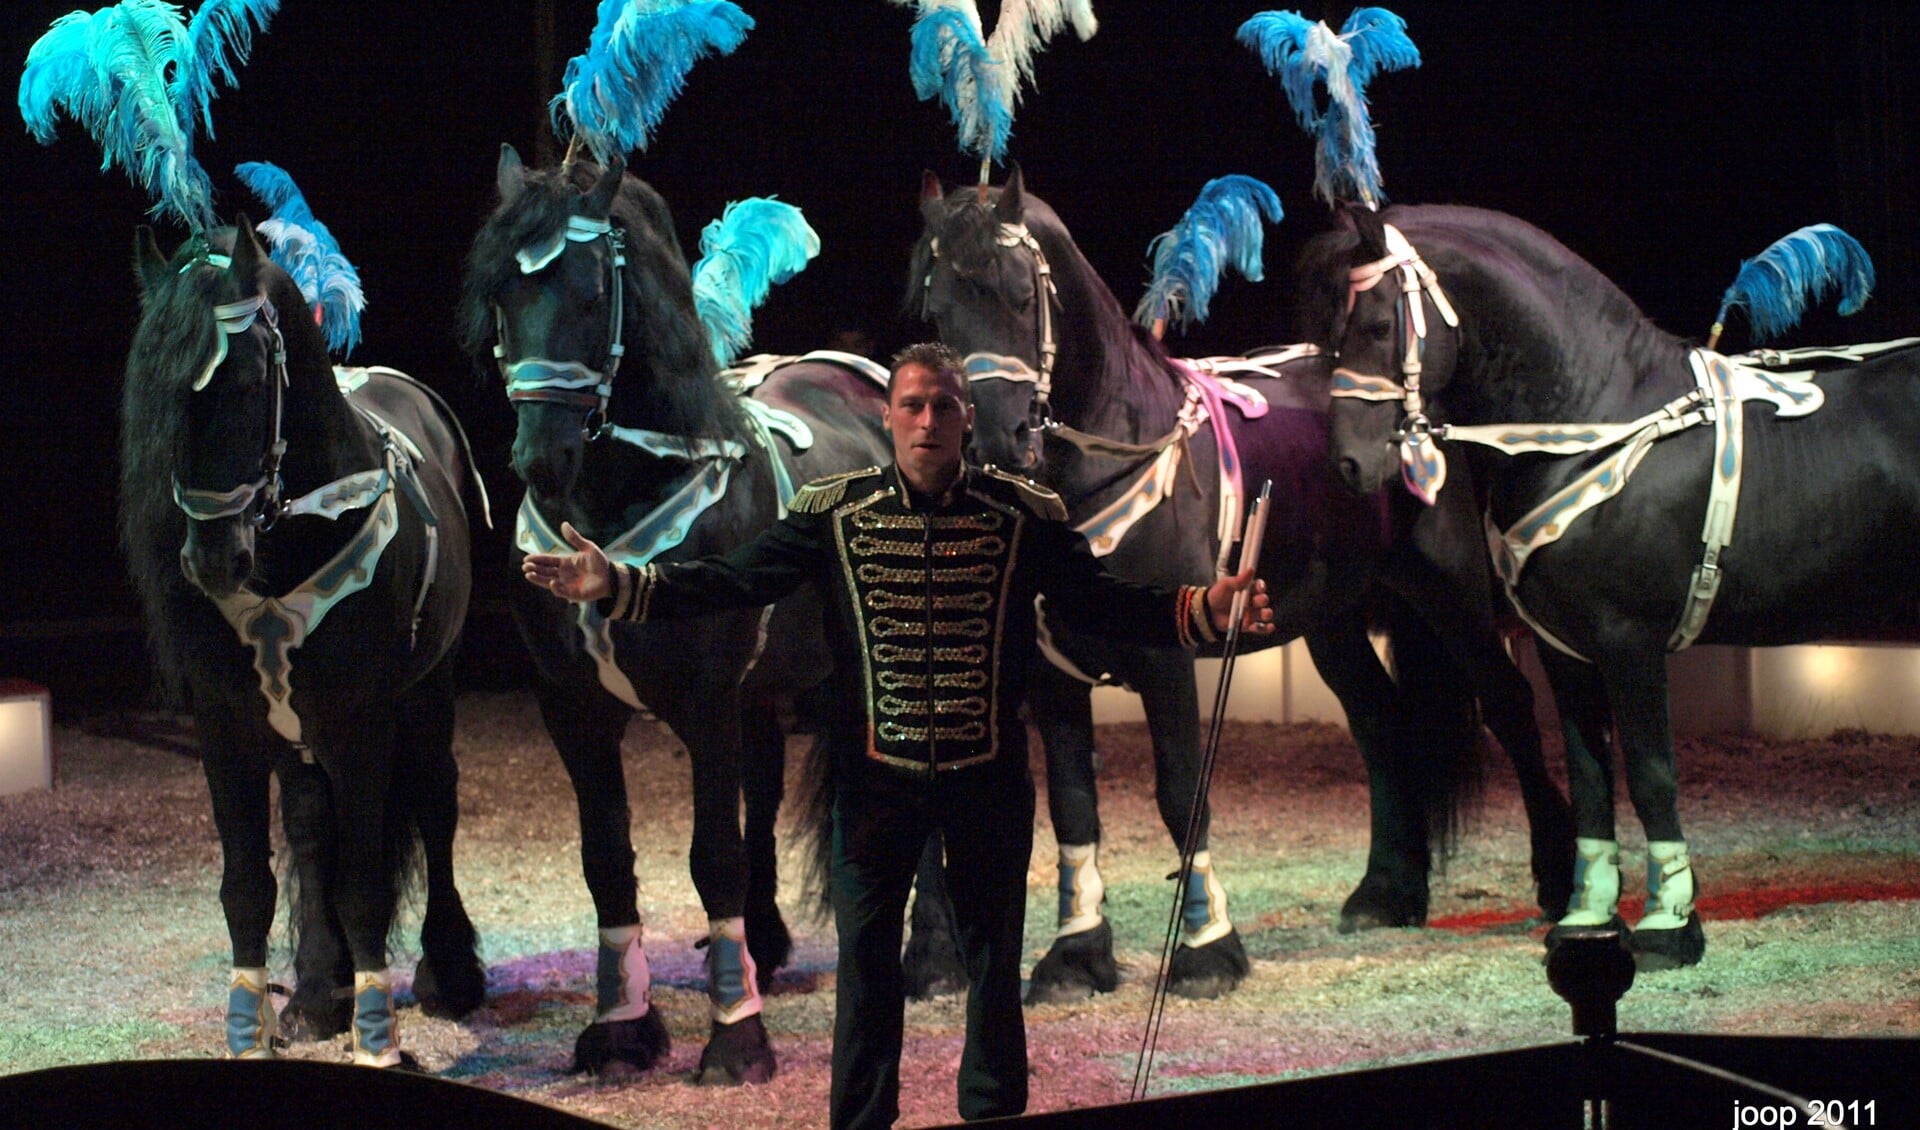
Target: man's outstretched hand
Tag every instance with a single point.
(580, 576)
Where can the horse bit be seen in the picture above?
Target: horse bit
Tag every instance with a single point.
(569, 382)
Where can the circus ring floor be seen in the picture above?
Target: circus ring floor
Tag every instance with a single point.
(1808, 855)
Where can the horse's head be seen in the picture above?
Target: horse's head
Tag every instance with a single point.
(980, 276)
(207, 393)
(1398, 344)
(545, 294)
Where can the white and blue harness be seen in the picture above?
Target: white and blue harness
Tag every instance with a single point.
(274, 625)
(1722, 386)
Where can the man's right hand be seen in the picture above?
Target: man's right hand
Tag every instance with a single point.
(581, 576)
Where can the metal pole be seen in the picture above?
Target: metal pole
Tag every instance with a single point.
(1250, 539)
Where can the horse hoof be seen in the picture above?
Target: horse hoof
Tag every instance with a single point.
(931, 966)
(638, 1043)
(737, 1053)
(315, 1016)
(1075, 967)
(1657, 951)
(453, 991)
(1374, 905)
(1206, 972)
(770, 943)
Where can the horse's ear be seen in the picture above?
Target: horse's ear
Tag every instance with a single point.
(933, 197)
(1372, 230)
(149, 264)
(599, 199)
(510, 178)
(248, 254)
(1008, 209)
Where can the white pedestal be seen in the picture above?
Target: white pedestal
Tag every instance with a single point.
(26, 737)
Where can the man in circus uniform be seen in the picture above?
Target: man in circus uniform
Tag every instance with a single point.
(929, 569)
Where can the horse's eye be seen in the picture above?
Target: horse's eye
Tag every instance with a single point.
(1379, 329)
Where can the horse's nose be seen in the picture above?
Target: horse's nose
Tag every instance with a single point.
(242, 565)
(548, 472)
(187, 570)
(1351, 474)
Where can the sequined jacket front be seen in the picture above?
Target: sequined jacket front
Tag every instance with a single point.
(930, 603)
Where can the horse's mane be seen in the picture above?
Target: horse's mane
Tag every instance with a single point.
(967, 238)
(171, 345)
(1539, 306)
(670, 357)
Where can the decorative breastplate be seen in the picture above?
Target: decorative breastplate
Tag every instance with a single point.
(930, 597)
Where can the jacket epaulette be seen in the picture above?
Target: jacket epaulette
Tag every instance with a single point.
(822, 495)
(1037, 498)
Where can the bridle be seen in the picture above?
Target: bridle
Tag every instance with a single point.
(263, 496)
(569, 382)
(1039, 411)
(1414, 433)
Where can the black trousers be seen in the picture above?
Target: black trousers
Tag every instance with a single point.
(881, 821)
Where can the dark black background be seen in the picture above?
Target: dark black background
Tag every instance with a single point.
(1663, 142)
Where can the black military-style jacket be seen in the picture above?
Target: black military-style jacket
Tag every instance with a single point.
(930, 604)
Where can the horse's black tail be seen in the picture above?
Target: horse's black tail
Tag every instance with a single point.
(813, 833)
(1439, 729)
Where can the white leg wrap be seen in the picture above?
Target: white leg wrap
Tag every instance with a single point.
(623, 977)
(1669, 886)
(1596, 883)
(733, 984)
(1081, 889)
(376, 1036)
(1203, 907)
(251, 1021)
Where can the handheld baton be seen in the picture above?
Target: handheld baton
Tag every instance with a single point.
(1250, 539)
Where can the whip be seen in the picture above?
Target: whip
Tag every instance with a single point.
(1250, 539)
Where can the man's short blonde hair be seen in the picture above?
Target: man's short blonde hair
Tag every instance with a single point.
(938, 358)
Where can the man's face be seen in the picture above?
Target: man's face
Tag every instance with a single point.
(928, 416)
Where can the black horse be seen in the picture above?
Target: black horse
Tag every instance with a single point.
(578, 288)
(1523, 348)
(1093, 407)
(260, 497)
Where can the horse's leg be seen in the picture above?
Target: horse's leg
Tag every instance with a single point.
(1394, 890)
(237, 782)
(321, 1006)
(763, 781)
(586, 725)
(1506, 698)
(1586, 721)
(1210, 960)
(1080, 961)
(1668, 935)
(705, 714)
(449, 980)
(357, 753)
(1446, 593)
(930, 966)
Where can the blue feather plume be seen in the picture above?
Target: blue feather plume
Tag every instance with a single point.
(950, 60)
(756, 244)
(140, 80)
(306, 250)
(1222, 227)
(637, 60)
(1305, 54)
(220, 35)
(1775, 285)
